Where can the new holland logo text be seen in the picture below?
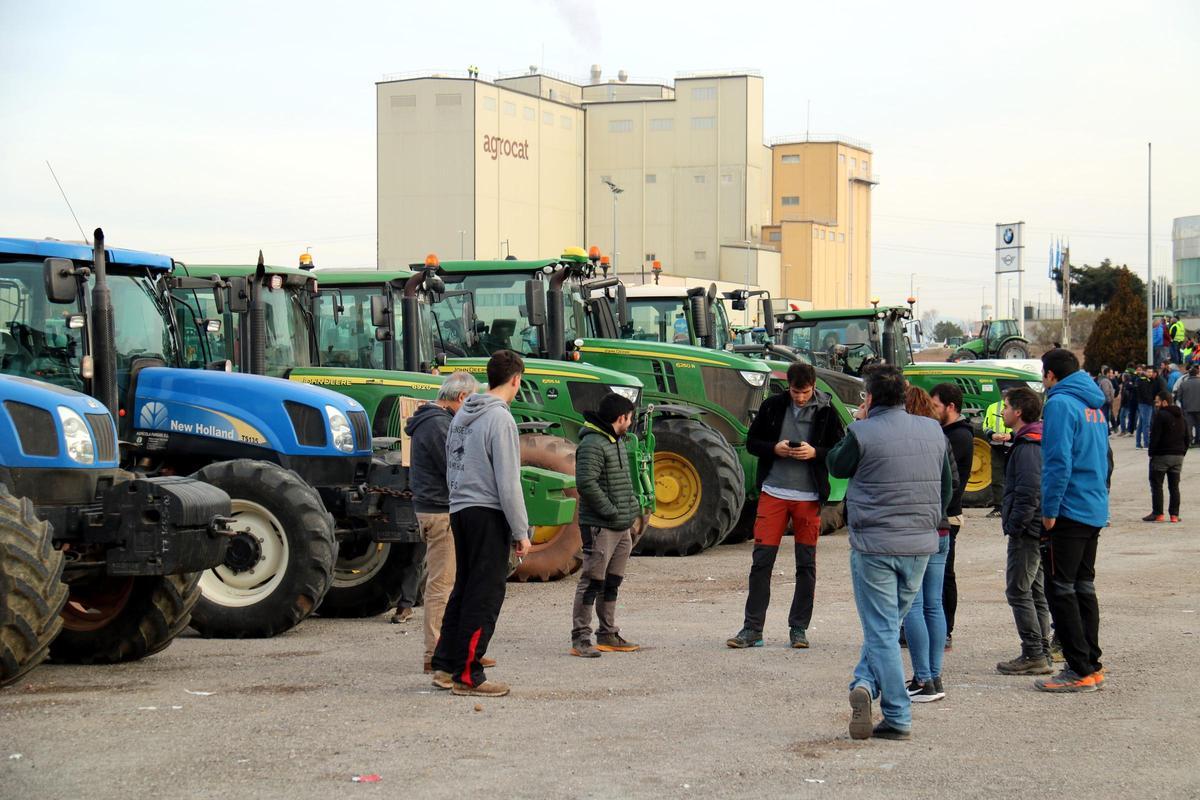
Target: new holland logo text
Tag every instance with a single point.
(200, 429)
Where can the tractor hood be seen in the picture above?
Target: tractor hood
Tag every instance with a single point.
(32, 419)
(288, 417)
(675, 352)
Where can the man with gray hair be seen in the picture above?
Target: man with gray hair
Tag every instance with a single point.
(427, 430)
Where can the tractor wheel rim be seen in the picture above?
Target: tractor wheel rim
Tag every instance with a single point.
(362, 568)
(981, 467)
(677, 490)
(226, 586)
(545, 533)
(92, 607)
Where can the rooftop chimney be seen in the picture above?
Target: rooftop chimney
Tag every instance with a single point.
(595, 73)
(622, 76)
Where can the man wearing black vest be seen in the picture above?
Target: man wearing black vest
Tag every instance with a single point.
(900, 485)
(791, 434)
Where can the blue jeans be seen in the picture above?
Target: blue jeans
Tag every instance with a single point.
(1142, 438)
(1128, 416)
(925, 623)
(884, 588)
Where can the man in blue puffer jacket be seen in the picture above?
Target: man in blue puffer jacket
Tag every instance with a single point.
(1074, 509)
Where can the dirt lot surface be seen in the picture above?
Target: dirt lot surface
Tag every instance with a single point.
(299, 715)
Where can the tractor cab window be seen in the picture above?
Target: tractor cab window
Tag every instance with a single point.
(657, 321)
(720, 325)
(35, 340)
(349, 342)
(999, 331)
(500, 319)
(140, 324)
(288, 330)
(192, 308)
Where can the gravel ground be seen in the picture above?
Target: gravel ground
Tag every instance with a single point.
(299, 715)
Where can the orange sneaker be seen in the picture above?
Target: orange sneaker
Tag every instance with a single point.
(1065, 682)
(1174, 518)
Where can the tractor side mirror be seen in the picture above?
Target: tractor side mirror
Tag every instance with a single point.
(768, 311)
(239, 295)
(61, 284)
(535, 302)
(700, 320)
(219, 299)
(380, 314)
(622, 306)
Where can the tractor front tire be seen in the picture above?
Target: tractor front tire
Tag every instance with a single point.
(700, 489)
(978, 491)
(108, 620)
(279, 564)
(31, 589)
(562, 553)
(964, 355)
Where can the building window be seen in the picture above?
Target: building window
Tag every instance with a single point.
(565, 122)
(702, 93)
(699, 255)
(841, 158)
(651, 177)
(620, 125)
(447, 100)
(726, 177)
(404, 101)
(704, 123)
(790, 158)
(821, 234)
(662, 124)
(528, 113)
(510, 109)
(866, 169)
(489, 104)
(547, 117)
(841, 237)
(775, 236)
(815, 234)
(790, 200)
(699, 178)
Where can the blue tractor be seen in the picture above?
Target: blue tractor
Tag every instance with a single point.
(294, 459)
(97, 564)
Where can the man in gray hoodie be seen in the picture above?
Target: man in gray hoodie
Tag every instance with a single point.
(427, 430)
(487, 517)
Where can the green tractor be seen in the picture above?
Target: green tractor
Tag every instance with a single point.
(371, 558)
(852, 339)
(559, 309)
(998, 338)
(381, 339)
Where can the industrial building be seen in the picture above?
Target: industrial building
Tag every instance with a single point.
(1185, 257)
(678, 173)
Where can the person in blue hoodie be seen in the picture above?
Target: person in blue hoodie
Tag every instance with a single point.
(1074, 509)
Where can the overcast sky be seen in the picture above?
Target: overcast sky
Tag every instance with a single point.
(209, 130)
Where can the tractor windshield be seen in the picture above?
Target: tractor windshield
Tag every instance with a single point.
(289, 330)
(35, 338)
(349, 342)
(500, 318)
(834, 343)
(657, 320)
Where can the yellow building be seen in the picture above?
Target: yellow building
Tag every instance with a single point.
(821, 212)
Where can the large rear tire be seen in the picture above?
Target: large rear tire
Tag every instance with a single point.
(700, 489)
(367, 578)
(1014, 349)
(108, 620)
(280, 563)
(964, 355)
(559, 553)
(31, 589)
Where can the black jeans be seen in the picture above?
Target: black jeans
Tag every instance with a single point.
(949, 584)
(1168, 467)
(762, 564)
(999, 462)
(481, 545)
(1024, 587)
(413, 576)
(1069, 561)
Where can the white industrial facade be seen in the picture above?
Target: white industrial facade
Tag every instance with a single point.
(527, 165)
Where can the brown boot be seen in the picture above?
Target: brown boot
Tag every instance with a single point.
(401, 615)
(442, 680)
(485, 689)
(487, 663)
(613, 643)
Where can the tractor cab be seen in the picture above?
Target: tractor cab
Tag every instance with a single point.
(849, 340)
(999, 338)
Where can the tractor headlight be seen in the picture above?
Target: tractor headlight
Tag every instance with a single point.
(755, 379)
(339, 426)
(630, 393)
(80, 446)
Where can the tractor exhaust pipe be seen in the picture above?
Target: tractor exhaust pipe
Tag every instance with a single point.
(258, 320)
(411, 324)
(104, 349)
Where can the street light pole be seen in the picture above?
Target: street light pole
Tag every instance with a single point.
(616, 190)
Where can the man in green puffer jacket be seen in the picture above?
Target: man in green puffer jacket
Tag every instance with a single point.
(608, 508)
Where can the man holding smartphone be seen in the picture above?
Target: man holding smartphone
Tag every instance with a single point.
(790, 435)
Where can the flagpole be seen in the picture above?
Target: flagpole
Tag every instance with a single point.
(1149, 271)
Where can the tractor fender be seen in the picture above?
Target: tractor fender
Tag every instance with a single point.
(677, 411)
